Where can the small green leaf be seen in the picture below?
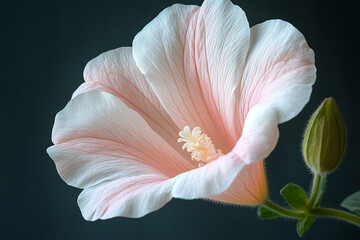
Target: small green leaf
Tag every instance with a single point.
(352, 202)
(264, 212)
(304, 225)
(295, 196)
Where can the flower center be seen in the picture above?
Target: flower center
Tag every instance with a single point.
(199, 145)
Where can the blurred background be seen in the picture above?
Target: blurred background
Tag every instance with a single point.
(44, 48)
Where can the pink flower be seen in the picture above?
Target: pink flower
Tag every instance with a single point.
(200, 71)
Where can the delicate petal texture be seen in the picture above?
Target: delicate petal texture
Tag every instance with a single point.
(112, 131)
(279, 72)
(88, 86)
(115, 72)
(209, 180)
(259, 138)
(249, 186)
(131, 197)
(85, 162)
(193, 59)
(217, 47)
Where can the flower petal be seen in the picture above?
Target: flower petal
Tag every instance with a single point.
(259, 136)
(209, 180)
(117, 181)
(236, 177)
(249, 187)
(222, 36)
(86, 162)
(88, 86)
(193, 58)
(96, 129)
(279, 72)
(116, 72)
(129, 197)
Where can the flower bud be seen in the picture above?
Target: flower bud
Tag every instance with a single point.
(325, 138)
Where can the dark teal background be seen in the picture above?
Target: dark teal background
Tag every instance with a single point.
(44, 48)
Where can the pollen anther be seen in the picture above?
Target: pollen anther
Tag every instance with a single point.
(199, 145)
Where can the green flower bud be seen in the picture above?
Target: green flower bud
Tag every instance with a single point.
(325, 138)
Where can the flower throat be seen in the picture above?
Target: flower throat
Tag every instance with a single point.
(199, 145)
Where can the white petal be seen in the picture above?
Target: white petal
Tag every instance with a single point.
(115, 72)
(280, 70)
(128, 197)
(85, 162)
(193, 58)
(259, 138)
(96, 127)
(209, 180)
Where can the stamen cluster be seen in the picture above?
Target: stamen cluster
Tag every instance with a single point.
(200, 145)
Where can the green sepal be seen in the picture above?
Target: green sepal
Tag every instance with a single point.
(295, 196)
(264, 212)
(304, 225)
(352, 202)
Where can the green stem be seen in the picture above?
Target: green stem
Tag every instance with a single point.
(317, 212)
(337, 214)
(314, 190)
(283, 211)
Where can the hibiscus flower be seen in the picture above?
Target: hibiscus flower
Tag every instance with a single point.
(190, 111)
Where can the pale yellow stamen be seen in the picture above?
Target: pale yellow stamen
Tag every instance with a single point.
(199, 145)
